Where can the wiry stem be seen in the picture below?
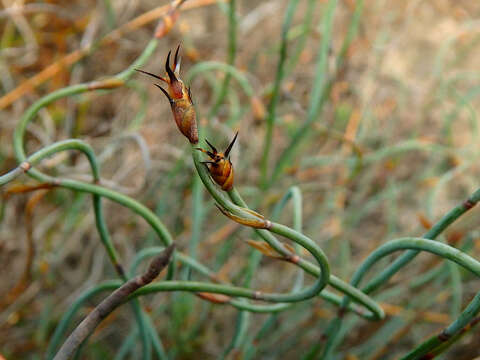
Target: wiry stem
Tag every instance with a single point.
(25, 165)
(238, 206)
(403, 260)
(292, 5)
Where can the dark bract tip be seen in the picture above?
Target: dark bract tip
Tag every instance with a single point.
(169, 71)
(166, 94)
(229, 148)
(213, 147)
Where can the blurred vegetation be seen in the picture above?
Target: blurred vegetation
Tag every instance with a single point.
(357, 125)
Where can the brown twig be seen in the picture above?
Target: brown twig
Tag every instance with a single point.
(88, 325)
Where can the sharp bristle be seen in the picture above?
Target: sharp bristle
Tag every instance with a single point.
(166, 94)
(151, 74)
(169, 71)
(229, 148)
(177, 60)
(213, 147)
(190, 94)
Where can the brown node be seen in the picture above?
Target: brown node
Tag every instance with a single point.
(468, 204)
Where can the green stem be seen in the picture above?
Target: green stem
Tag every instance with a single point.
(18, 141)
(432, 234)
(238, 206)
(232, 51)
(317, 99)
(404, 259)
(413, 245)
(307, 28)
(206, 66)
(440, 342)
(375, 311)
(35, 158)
(292, 5)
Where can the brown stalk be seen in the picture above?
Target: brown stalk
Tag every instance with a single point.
(88, 325)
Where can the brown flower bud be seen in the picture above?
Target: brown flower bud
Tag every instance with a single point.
(180, 98)
(220, 167)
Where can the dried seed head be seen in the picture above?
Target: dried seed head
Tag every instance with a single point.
(180, 98)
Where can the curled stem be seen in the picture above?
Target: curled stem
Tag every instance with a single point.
(238, 207)
(404, 259)
(19, 143)
(417, 244)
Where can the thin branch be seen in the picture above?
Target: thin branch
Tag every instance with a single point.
(88, 325)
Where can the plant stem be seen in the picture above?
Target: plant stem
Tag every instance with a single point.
(270, 121)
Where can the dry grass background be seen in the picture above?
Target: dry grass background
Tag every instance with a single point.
(406, 98)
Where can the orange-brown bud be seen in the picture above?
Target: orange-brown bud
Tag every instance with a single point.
(220, 167)
(180, 98)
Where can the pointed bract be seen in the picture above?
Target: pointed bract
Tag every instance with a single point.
(172, 102)
(179, 97)
(213, 147)
(155, 76)
(229, 148)
(169, 71)
(177, 61)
